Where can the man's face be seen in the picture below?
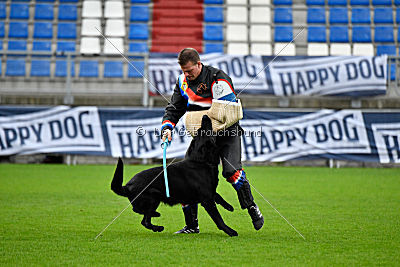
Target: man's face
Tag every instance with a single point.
(191, 70)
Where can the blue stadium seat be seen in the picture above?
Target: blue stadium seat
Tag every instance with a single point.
(137, 47)
(283, 34)
(138, 31)
(2, 10)
(15, 67)
(213, 48)
(398, 15)
(67, 12)
(383, 15)
(40, 68)
(43, 30)
(397, 2)
(384, 34)
(392, 70)
(359, 2)
(44, 11)
(18, 29)
(0, 66)
(69, 1)
(316, 34)
(61, 68)
(17, 45)
(283, 15)
(382, 2)
(339, 34)
(89, 68)
(386, 50)
(338, 15)
(337, 2)
(1, 45)
(215, 2)
(1, 29)
(19, 11)
(141, 1)
(361, 16)
(139, 13)
(66, 46)
(361, 34)
(133, 72)
(283, 2)
(316, 15)
(41, 46)
(315, 2)
(66, 30)
(113, 69)
(213, 14)
(213, 33)
(398, 35)
(45, 1)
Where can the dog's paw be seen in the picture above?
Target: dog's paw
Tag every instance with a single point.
(157, 228)
(231, 232)
(230, 208)
(155, 214)
(226, 206)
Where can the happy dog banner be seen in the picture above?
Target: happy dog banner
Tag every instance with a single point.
(58, 129)
(284, 76)
(135, 133)
(354, 76)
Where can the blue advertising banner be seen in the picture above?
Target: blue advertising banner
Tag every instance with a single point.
(284, 76)
(273, 136)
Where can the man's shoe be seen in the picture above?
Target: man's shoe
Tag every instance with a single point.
(188, 230)
(256, 217)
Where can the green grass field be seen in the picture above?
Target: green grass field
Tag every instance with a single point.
(50, 215)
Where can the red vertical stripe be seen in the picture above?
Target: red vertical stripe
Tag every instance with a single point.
(177, 24)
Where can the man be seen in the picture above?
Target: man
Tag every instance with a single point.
(195, 89)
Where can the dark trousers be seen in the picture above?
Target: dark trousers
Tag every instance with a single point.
(230, 150)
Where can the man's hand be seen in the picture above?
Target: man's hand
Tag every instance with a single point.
(167, 134)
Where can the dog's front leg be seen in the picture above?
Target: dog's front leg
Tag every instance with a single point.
(146, 222)
(212, 210)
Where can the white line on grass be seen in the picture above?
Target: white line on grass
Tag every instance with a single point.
(266, 200)
(277, 211)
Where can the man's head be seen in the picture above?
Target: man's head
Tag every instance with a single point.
(189, 60)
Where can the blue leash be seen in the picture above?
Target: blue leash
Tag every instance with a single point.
(164, 146)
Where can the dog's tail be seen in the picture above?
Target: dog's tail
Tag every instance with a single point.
(116, 184)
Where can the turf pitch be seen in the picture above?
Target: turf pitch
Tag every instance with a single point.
(50, 215)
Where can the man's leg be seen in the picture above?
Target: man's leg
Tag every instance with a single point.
(230, 154)
(192, 224)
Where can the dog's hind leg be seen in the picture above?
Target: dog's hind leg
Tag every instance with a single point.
(146, 222)
(212, 210)
(219, 200)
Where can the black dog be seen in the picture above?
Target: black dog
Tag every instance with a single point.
(191, 181)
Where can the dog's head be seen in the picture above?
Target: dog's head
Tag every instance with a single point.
(203, 147)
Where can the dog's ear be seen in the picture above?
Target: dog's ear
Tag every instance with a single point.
(206, 123)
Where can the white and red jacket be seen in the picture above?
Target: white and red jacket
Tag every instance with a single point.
(212, 83)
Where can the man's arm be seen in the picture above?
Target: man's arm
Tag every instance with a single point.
(173, 112)
(222, 87)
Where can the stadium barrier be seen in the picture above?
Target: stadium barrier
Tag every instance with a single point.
(269, 135)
